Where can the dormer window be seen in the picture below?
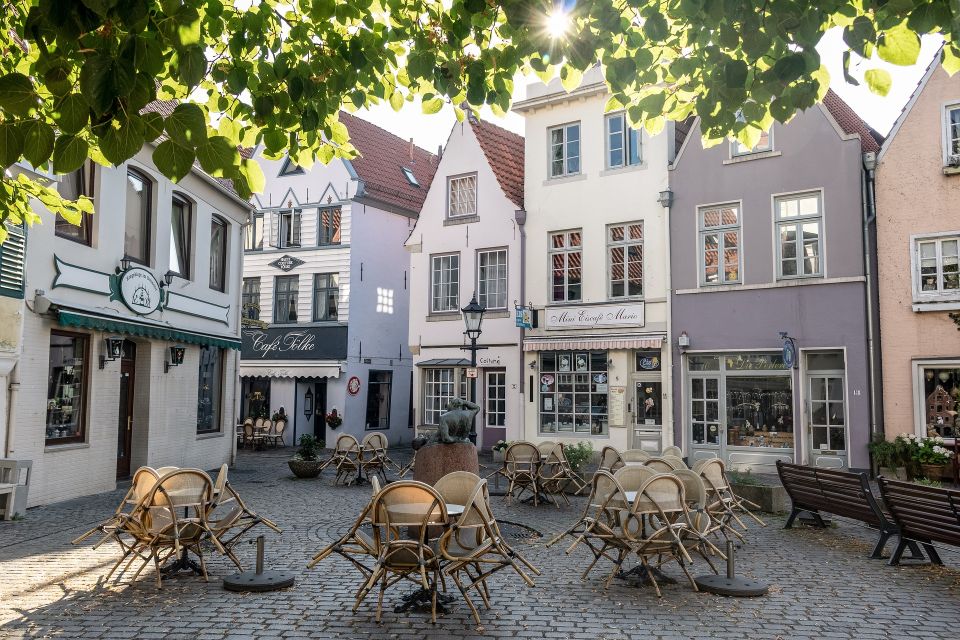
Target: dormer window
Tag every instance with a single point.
(765, 143)
(951, 136)
(290, 169)
(412, 179)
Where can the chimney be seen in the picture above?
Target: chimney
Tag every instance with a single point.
(411, 149)
(439, 152)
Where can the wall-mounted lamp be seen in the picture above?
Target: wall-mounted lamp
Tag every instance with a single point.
(41, 303)
(533, 364)
(113, 349)
(665, 199)
(683, 340)
(168, 278)
(308, 404)
(125, 263)
(176, 358)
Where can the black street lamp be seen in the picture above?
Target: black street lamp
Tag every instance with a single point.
(472, 318)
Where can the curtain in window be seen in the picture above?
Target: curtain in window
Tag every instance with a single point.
(180, 238)
(218, 257)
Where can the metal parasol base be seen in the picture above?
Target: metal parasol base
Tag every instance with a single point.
(422, 599)
(259, 580)
(730, 585)
(642, 576)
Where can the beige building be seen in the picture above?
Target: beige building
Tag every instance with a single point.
(918, 242)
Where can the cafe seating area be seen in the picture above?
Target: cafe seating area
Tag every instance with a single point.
(257, 433)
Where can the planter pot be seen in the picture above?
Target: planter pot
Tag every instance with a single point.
(305, 468)
(570, 488)
(771, 498)
(933, 471)
(893, 473)
(498, 455)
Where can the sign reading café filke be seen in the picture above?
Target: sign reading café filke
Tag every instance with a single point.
(595, 316)
(294, 343)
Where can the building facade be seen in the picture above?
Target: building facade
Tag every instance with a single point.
(918, 235)
(596, 272)
(769, 305)
(325, 289)
(130, 331)
(467, 242)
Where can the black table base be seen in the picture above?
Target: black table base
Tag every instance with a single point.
(641, 576)
(422, 600)
(183, 563)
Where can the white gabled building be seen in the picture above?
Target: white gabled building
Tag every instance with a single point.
(86, 415)
(468, 241)
(596, 271)
(325, 275)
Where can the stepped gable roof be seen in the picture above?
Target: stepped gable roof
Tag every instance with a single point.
(381, 163)
(504, 151)
(850, 122)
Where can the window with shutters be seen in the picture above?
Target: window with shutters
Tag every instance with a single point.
(329, 220)
(12, 261)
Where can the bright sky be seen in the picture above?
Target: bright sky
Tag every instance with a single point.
(430, 131)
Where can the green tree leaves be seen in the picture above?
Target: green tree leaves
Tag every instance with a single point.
(878, 80)
(17, 96)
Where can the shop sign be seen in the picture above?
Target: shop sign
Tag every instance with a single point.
(648, 361)
(353, 385)
(471, 372)
(489, 361)
(139, 290)
(286, 263)
(595, 317)
(617, 403)
(294, 343)
(524, 317)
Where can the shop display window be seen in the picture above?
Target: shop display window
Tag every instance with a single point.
(66, 387)
(573, 392)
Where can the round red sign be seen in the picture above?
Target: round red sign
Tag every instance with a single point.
(353, 385)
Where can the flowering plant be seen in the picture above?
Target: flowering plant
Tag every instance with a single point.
(501, 445)
(333, 419)
(926, 450)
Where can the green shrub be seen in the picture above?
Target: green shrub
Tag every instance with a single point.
(310, 448)
(578, 454)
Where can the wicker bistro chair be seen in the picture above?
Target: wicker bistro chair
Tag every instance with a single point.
(663, 465)
(635, 455)
(722, 503)
(356, 545)
(676, 461)
(700, 523)
(610, 459)
(657, 524)
(252, 435)
(552, 476)
(672, 451)
(521, 463)
(276, 436)
(230, 518)
(633, 477)
(143, 480)
(373, 456)
(345, 458)
(572, 477)
(404, 506)
(407, 468)
(473, 548)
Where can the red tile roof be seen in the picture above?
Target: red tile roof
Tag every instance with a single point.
(504, 152)
(850, 122)
(383, 157)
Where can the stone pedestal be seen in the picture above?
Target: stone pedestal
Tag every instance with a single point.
(437, 460)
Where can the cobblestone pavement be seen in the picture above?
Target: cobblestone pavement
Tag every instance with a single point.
(822, 583)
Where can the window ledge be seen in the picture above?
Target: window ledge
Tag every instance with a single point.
(319, 247)
(206, 435)
(779, 284)
(497, 313)
(449, 222)
(753, 156)
(947, 304)
(628, 169)
(443, 317)
(53, 448)
(563, 179)
(951, 171)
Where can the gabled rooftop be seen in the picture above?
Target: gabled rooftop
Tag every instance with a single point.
(504, 151)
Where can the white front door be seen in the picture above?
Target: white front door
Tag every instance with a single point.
(826, 419)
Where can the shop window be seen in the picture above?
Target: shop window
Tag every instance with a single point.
(799, 250)
(624, 143)
(573, 392)
(462, 193)
(139, 214)
(71, 187)
(256, 397)
(378, 399)
(937, 265)
(445, 283)
(496, 398)
(492, 279)
(210, 388)
(566, 266)
(438, 389)
(250, 299)
(719, 244)
(625, 260)
(67, 375)
(253, 233)
(330, 221)
(285, 292)
(181, 237)
(326, 295)
(941, 395)
(564, 150)
(218, 254)
(759, 411)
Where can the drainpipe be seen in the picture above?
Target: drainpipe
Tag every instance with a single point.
(666, 201)
(520, 217)
(869, 216)
(12, 390)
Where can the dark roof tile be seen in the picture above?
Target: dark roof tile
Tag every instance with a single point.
(850, 122)
(504, 151)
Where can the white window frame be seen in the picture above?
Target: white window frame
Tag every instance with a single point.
(737, 152)
(482, 298)
(564, 145)
(627, 142)
(799, 219)
(433, 389)
(948, 138)
(566, 250)
(919, 397)
(941, 294)
(721, 231)
(435, 262)
(462, 208)
(496, 378)
(625, 244)
(295, 227)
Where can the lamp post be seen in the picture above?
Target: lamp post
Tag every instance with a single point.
(472, 318)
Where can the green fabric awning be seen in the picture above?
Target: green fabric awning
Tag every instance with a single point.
(101, 323)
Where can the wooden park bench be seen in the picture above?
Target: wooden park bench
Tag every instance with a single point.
(923, 514)
(814, 490)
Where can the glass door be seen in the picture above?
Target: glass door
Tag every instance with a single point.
(826, 416)
(648, 416)
(706, 437)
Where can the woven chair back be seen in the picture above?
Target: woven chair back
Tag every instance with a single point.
(221, 482)
(605, 491)
(521, 457)
(633, 477)
(693, 488)
(635, 455)
(672, 451)
(714, 474)
(248, 429)
(346, 443)
(659, 465)
(661, 494)
(280, 426)
(258, 423)
(676, 461)
(143, 480)
(610, 459)
(546, 446)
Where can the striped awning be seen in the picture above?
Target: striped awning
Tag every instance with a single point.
(143, 329)
(288, 370)
(606, 342)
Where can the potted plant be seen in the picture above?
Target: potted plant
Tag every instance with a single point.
(499, 449)
(578, 455)
(932, 456)
(306, 461)
(888, 458)
(333, 419)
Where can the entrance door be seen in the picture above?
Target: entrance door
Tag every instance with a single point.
(320, 410)
(648, 416)
(706, 438)
(826, 419)
(128, 365)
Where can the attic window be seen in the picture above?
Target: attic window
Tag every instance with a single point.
(412, 179)
(290, 169)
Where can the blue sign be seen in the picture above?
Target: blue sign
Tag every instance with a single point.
(789, 353)
(524, 317)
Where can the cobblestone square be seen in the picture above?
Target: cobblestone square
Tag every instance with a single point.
(822, 584)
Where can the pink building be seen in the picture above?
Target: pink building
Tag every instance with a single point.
(918, 244)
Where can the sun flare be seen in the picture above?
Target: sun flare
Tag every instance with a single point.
(558, 21)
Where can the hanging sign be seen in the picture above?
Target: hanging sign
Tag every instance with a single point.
(524, 317)
(789, 351)
(353, 385)
(139, 290)
(286, 263)
(471, 372)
